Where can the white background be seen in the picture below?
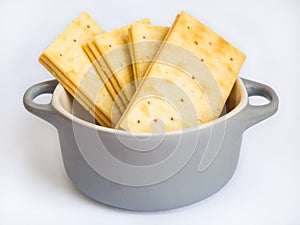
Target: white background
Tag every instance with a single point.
(34, 188)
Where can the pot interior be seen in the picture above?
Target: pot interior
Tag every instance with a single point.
(71, 106)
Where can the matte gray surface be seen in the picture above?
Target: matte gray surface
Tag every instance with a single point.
(202, 175)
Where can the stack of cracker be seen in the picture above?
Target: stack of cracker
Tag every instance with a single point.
(188, 81)
(67, 61)
(145, 78)
(110, 50)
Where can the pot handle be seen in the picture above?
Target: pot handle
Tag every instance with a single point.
(253, 114)
(44, 111)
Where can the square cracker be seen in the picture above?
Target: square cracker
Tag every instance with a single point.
(145, 41)
(65, 54)
(188, 83)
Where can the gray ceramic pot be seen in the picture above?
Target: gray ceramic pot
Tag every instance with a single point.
(146, 171)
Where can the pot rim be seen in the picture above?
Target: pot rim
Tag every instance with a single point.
(59, 90)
